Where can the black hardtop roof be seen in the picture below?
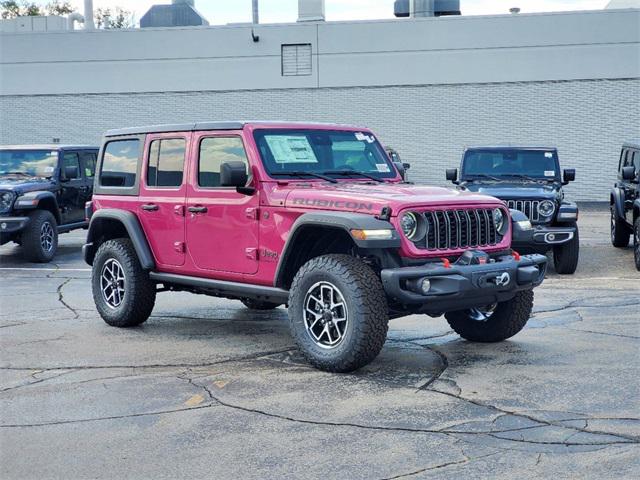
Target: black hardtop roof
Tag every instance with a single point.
(202, 126)
(510, 147)
(49, 146)
(632, 143)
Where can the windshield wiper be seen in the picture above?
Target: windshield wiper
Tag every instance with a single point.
(526, 177)
(19, 173)
(483, 175)
(353, 172)
(305, 174)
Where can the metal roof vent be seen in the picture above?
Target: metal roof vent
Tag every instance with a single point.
(426, 8)
(181, 13)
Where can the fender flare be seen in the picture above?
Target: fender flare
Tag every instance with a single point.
(31, 201)
(345, 221)
(617, 201)
(131, 224)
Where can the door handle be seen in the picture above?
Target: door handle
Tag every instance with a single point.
(197, 209)
(150, 207)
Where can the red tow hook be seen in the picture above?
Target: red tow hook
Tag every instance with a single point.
(515, 255)
(446, 262)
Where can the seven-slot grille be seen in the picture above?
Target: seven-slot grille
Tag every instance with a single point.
(451, 229)
(528, 207)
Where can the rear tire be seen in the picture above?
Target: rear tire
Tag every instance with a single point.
(619, 231)
(636, 243)
(122, 291)
(40, 237)
(507, 319)
(565, 257)
(338, 313)
(259, 305)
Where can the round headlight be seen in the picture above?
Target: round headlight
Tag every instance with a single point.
(6, 200)
(499, 220)
(413, 226)
(546, 208)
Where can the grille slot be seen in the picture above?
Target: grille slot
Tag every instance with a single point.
(453, 229)
(528, 207)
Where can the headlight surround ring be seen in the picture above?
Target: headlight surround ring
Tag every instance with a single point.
(413, 226)
(6, 201)
(500, 220)
(546, 208)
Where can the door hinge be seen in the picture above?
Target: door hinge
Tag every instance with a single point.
(251, 253)
(251, 213)
(178, 247)
(179, 210)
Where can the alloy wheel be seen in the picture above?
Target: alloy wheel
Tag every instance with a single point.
(325, 315)
(482, 314)
(112, 283)
(46, 236)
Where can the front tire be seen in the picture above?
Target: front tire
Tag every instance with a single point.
(259, 304)
(122, 291)
(565, 257)
(619, 231)
(495, 324)
(338, 313)
(40, 237)
(636, 242)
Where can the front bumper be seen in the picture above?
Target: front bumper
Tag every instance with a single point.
(11, 225)
(463, 286)
(541, 236)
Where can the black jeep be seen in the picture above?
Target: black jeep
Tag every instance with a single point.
(527, 179)
(43, 191)
(625, 200)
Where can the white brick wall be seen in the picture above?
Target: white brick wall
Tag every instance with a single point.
(429, 125)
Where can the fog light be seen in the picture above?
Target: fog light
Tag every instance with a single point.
(551, 237)
(3, 225)
(425, 285)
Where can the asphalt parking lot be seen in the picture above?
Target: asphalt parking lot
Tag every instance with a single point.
(208, 389)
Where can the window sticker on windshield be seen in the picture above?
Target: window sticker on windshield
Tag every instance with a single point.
(48, 169)
(365, 138)
(548, 154)
(291, 149)
(549, 173)
(382, 167)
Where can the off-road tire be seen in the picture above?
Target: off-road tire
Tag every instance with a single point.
(139, 291)
(252, 304)
(636, 242)
(368, 316)
(507, 319)
(32, 245)
(619, 230)
(565, 256)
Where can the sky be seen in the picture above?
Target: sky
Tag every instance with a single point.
(277, 11)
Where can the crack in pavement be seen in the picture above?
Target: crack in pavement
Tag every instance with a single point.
(464, 461)
(61, 298)
(604, 333)
(8, 389)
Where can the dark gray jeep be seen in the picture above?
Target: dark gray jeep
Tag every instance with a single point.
(527, 179)
(43, 191)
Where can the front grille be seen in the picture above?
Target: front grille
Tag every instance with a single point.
(528, 207)
(454, 229)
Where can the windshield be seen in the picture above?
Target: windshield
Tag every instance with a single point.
(33, 163)
(536, 164)
(318, 153)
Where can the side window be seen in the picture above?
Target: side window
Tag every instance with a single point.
(215, 151)
(635, 161)
(70, 166)
(89, 164)
(166, 162)
(120, 163)
(623, 156)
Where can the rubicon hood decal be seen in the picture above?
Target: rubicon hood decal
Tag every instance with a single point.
(337, 204)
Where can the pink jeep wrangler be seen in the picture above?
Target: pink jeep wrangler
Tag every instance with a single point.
(315, 217)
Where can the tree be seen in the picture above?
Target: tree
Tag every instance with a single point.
(114, 18)
(59, 8)
(104, 17)
(13, 9)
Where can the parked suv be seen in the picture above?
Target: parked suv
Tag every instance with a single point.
(43, 191)
(528, 179)
(625, 200)
(312, 216)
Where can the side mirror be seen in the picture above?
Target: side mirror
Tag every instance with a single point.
(628, 173)
(234, 174)
(402, 169)
(569, 175)
(70, 173)
(452, 174)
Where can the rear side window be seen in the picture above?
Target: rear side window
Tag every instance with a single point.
(120, 163)
(166, 162)
(89, 164)
(215, 151)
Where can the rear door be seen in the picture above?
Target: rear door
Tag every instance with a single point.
(71, 196)
(222, 224)
(162, 196)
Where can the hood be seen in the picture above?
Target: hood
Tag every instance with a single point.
(22, 185)
(514, 190)
(370, 198)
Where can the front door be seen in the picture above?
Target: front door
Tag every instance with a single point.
(162, 194)
(71, 196)
(222, 224)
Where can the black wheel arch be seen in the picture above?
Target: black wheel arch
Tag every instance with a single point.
(617, 201)
(39, 200)
(315, 234)
(107, 224)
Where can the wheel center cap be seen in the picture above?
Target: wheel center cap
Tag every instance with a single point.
(327, 316)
